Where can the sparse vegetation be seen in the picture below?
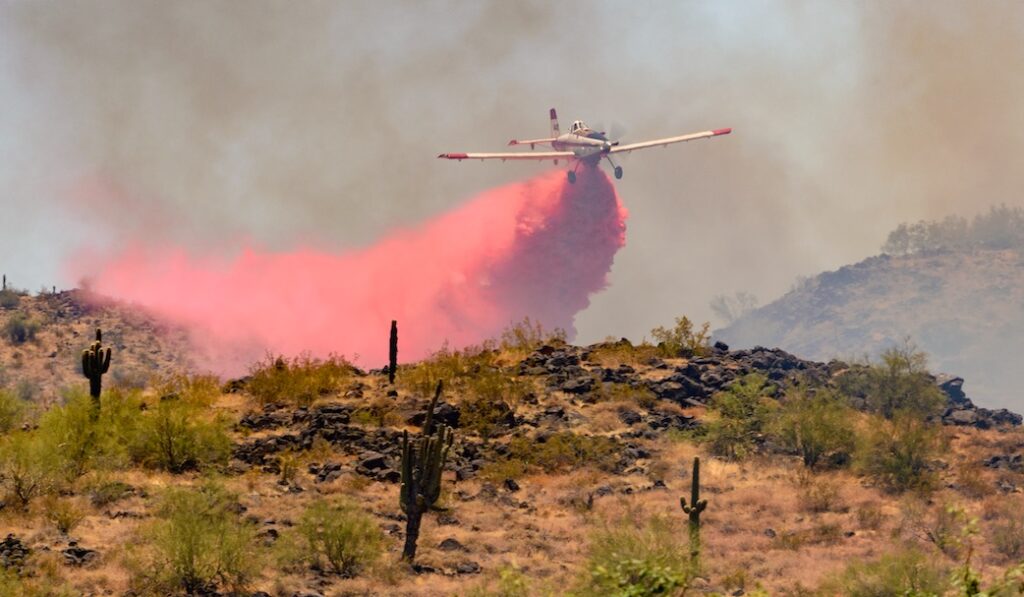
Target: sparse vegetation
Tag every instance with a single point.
(340, 537)
(20, 328)
(684, 339)
(816, 425)
(636, 557)
(742, 413)
(197, 543)
(12, 411)
(175, 437)
(899, 452)
(298, 381)
(565, 451)
(1002, 227)
(903, 572)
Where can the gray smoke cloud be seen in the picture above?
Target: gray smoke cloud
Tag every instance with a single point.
(318, 123)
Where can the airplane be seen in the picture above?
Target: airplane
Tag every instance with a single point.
(581, 144)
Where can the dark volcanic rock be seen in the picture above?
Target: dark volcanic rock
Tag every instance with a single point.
(13, 552)
(75, 555)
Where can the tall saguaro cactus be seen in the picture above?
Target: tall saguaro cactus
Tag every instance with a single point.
(96, 362)
(393, 352)
(423, 461)
(693, 510)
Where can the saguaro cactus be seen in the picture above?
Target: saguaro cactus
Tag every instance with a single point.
(393, 352)
(693, 510)
(95, 362)
(423, 461)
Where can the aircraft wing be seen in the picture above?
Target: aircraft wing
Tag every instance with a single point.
(533, 155)
(669, 140)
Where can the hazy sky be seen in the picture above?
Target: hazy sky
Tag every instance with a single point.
(318, 123)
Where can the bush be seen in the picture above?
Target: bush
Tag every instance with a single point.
(20, 329)
(742, 412)
(198, 542)
(566, 451)
(9, 299)
(526, 336)
(299, 381)
(63, 513)
(683, 339)
(898, 452)
(900, 383)
(902, 573)
(340, 536)
(175, 436)
(1007, 534)
(12, 411)
(816, 494)
(637, 558)
(29, 467)
(815, 425)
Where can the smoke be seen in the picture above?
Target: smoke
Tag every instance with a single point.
(534, 249)
(317, 123)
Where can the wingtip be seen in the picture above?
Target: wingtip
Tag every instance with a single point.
(724, 131)
(513, 142)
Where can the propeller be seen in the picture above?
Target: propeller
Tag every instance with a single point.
(614, 130)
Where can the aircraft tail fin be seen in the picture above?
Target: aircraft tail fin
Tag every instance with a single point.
(554, 123)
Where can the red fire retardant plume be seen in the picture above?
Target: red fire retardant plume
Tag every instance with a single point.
(537, 248)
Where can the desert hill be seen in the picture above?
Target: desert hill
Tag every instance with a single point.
(43, 336)
(564, 477)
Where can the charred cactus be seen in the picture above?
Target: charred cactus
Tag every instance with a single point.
(693, 510)
(393, 352)
(423, 461)
(96, 362)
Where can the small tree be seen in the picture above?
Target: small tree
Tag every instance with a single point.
(901, 383)
(898, 452)
(742, 412)
(683, 339)
(815, 425)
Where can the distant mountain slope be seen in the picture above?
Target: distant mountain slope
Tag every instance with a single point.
(38, 368)
(964, 307)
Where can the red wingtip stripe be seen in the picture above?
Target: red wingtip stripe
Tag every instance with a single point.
(453, 156)
(722, 131)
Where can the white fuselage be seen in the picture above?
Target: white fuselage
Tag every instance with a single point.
(585, 143)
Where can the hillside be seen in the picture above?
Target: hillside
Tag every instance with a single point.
(964, 307)
(568, 465)
(58, 326)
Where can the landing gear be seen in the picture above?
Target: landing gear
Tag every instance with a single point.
(618, 171)
(572, 177)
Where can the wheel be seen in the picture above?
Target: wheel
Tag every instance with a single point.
(618, 171)
(572, 177)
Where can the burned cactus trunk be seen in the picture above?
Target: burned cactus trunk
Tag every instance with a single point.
(423, 461)
(393, 352)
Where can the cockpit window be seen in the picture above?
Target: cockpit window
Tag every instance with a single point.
(578, 126)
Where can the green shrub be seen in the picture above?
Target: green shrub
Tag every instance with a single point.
(815, 425)
(900, 383)
(451, 366)
(637, 558)
(12, 411)
(898, 574)
(299, 381)
(9, 299)
(510, 581)
(20, 329)
(29, 467)
(565, 450)
(340, 537)
(742, 413)
(683, 339)
(176, 436)
(898, 452)
(526, 336)
(197, 542)
(1007, 534)
(63, 513)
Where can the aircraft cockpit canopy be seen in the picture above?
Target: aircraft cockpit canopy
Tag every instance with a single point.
(578, 126)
